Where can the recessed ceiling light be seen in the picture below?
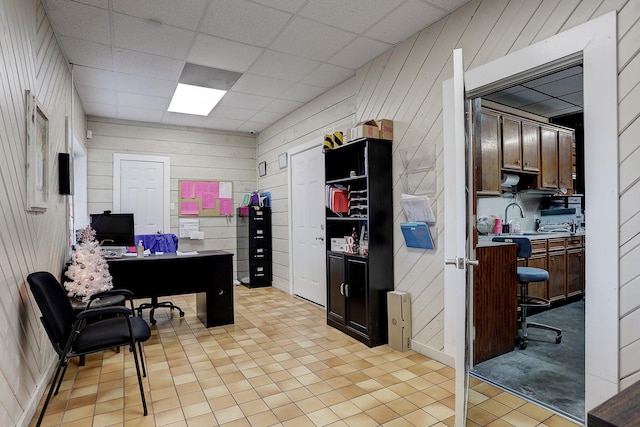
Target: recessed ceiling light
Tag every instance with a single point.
(197, 100)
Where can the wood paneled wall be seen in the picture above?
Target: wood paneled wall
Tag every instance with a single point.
(405, 84)
(193, 154)
(30, 59)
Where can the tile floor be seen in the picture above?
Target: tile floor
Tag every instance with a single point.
(278, 365)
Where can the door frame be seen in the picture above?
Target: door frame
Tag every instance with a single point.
(315, 143)
(166, 166)
(593, 43)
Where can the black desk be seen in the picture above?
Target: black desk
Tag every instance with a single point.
(208, 274)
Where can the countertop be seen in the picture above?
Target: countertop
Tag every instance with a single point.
(531, 235)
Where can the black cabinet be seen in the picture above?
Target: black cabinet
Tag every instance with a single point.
(357, 283)
(254, 247)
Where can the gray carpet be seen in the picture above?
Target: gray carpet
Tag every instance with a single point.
(545, 372)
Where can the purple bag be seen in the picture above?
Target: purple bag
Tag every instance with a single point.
(255, 199)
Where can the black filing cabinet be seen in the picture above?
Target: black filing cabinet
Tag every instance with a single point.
(254, 247)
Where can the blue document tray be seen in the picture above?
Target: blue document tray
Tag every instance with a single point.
(417, 235)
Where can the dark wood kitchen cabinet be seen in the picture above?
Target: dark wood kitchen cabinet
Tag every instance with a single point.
(530, 147)
(488, 176)
(557, 267)
(549, 157)
(575, 266)
(511, 143)
(565, 159)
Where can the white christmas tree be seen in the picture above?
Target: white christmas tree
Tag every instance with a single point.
(89, 271)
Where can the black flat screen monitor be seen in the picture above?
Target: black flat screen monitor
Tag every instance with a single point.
(113, 229)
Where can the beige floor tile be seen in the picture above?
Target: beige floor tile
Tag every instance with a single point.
(278, 365)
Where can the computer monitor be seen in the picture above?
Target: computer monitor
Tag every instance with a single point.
(114, 229)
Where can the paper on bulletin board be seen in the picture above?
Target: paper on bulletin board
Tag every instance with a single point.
(205, 198)
(187, 225)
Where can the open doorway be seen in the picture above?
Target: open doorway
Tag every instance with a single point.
(553, 219)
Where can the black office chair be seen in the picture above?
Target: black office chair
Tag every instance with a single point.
(165, 243)
(72, 335)
(528, 275)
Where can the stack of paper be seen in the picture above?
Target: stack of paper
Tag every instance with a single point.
(337, 199)
(417, 209)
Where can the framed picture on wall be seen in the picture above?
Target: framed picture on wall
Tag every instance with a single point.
(262, 168)
(37, 155)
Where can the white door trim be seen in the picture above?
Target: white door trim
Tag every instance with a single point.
(119, 157)
(596, 42)
(316, 142)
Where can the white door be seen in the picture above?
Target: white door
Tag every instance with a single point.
(142, 189)
(307, 225)
(457, 248)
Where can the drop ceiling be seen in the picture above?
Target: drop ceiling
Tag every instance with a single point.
(127, 55)
(553, 95)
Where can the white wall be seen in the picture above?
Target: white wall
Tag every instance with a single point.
(405, 84)
(30, 60)
(193, 154)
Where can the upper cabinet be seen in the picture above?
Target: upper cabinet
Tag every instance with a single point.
(541, 153)
(488, 148)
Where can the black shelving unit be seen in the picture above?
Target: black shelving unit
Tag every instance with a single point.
(357, 283)
(254, 247)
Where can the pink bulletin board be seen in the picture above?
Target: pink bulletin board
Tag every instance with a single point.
(205, 198)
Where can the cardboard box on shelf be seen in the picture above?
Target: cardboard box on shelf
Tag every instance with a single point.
(385, 128)
(368, 129)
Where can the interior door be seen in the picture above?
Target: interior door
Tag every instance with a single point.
(141, 187)
(307, 225)
(457, 153)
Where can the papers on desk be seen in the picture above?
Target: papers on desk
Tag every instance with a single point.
(187, 253)
(417, 208)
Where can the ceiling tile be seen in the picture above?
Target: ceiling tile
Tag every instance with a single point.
(406, 20)
(358, 53)
(564, 111)
(93, 77)
(283, 66)
(559, 75)
(302, 93)
(547, 105)
(92, 55)
(266, 117)
(183, 14)
(140, 114)
(523, 97)
(252, 127)
(99, 109)
(576, 98)
(223, 112)
(448, 5)
(562, 87)
(144, 36)
(98, 3)
(243, 100)
(260, 85)
(223, 54)
(143, 101)
(142, 64)
(244, 21)
(309, 39)
(282, 106)
(218, 123)
(182, 119)
(327, 75)
(145, 85)
(353, 15)
(96, 95)
(79, 20)
(290, 6)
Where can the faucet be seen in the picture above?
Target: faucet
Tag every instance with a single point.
(507, 208)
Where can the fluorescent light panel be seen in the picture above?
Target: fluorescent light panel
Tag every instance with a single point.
(198, 100)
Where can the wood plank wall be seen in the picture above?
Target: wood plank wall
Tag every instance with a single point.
(405, 84)
(30, 60)
(193, 154)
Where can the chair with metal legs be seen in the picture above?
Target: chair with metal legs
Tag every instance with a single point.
(528, 275)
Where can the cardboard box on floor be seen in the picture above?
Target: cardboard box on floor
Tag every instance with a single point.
(399, 320)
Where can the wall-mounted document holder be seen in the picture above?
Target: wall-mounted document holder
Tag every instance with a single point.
(417, 235)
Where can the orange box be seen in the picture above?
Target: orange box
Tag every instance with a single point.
(385, 128)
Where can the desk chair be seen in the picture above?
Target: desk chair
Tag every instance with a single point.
(73, 336)
(528, 275)
(158, 243)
